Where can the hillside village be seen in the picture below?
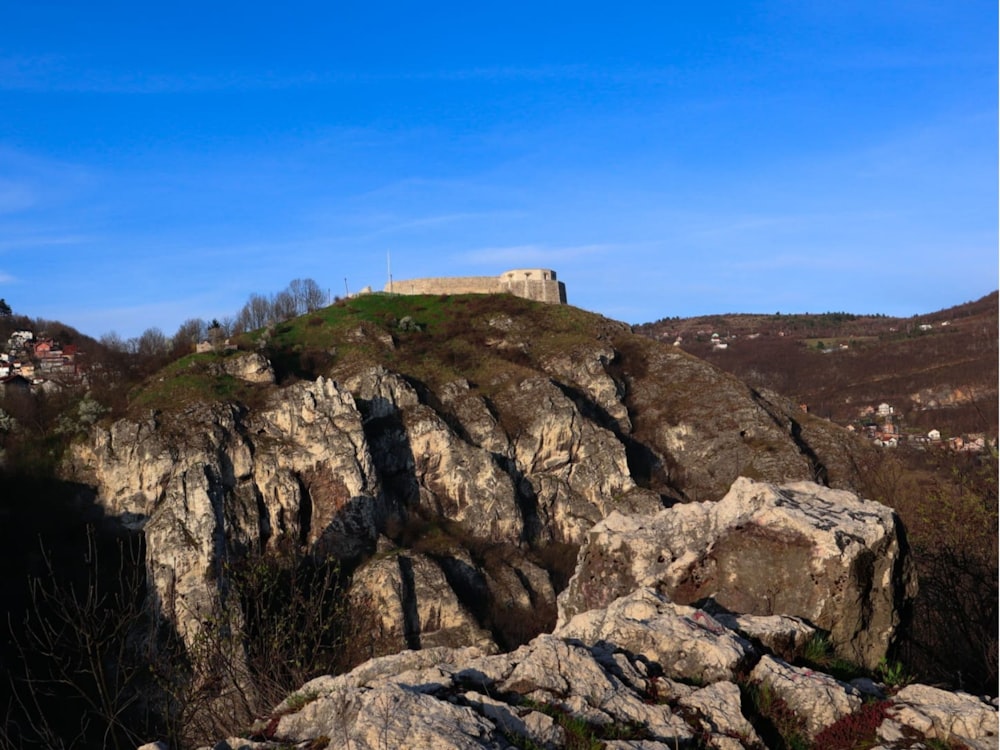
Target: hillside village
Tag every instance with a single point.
(883, 426)
(30, 362)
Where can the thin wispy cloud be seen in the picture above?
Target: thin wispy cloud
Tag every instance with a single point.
(15, 197)
(29, 241)
(579, 72)
(806, 261)
(69, 74)
(388, 224)
(727, 227)
(72, 75)
(532, 254)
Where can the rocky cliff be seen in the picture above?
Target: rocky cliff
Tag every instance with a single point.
(499, 420)
(454, 455)
(642, 670)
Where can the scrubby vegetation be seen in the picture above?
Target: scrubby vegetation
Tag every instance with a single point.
(87, 664)
(949, 509)
(433, 339)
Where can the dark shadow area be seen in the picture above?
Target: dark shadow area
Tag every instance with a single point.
(947, 503)
(408, 598)
(390, 450)
(73, 608)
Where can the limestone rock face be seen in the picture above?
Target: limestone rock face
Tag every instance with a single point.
(540, 454)
(587, 370)
(798, 549)
(298, 469)
(577, 470)
(473, 413)
(459, 481)
(413, 606)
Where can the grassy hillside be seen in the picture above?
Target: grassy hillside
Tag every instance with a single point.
(490, 341)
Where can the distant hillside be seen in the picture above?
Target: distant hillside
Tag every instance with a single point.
(938, 370)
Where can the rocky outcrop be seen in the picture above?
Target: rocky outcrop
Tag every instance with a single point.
(797, 549)
(413, 607)
(559, 438)
(940, 715)
(251, 367)
(298, 469)
(643, 672)
(441, 477)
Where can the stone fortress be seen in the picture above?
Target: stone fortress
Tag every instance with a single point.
(537, 284)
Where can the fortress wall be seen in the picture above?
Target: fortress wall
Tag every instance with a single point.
(530, 274)
(537, 284)
(548, 290)
(452, 285)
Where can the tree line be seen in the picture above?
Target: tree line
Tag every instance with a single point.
(301, 296)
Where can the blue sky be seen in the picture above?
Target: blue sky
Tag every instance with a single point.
(164, 161)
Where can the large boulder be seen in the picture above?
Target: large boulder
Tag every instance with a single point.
(797, 549)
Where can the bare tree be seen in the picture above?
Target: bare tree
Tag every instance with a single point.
(80, 680)
(308, 295)
(256, 313)
(190, 332)
(228, 326)
(152, 343)
(113, 342)
(283, 306)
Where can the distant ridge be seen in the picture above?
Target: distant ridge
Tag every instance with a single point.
(938, 370)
